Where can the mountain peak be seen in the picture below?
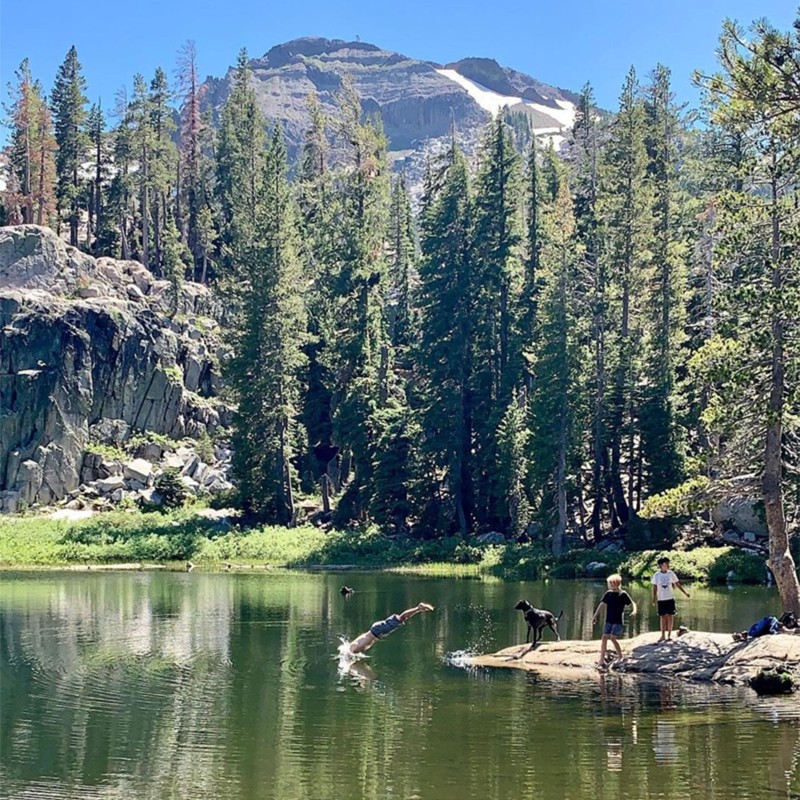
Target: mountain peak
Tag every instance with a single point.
(309, 46)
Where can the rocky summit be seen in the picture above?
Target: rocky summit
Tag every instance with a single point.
(96, 355)
(419, 102)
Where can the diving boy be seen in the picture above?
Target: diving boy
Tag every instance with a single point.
(383, 628)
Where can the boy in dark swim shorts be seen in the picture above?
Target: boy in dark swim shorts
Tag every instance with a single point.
(615, 600)
(383, 628)
(663, 582)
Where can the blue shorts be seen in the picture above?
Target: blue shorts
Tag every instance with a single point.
(385, 627)
(613, 629)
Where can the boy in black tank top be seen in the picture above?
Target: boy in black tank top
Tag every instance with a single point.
(615, 600)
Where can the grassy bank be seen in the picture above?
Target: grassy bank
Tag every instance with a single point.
(124, 537)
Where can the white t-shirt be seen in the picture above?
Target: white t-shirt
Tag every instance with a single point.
(665, 581)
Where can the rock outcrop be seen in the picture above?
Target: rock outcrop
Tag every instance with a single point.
(696, 656)
(93, 350)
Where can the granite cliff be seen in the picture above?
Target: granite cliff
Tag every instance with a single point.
(93, 352)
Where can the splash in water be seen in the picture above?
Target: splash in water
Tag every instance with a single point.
(459, 658)
(344, 651)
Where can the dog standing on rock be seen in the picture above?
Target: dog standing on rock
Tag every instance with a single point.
(538, 619)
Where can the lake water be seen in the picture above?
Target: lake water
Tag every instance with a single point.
(168, 685)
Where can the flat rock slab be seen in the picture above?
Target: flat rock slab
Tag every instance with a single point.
(696, 656)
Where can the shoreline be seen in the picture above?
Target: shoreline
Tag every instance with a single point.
(126, 540)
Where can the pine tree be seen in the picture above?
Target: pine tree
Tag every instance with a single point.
(143, 144)
(189, 193)
(751, 360)
(240, 160)
(162, 168)
(554, 403)
(318, 210)
(585, 155)
(30, 151)
(69, 113)
(394, 467)
(446, 308)
(402, 266)
(660, 439)
(497, 260)
(624, 210)
(269, 348)
(513, 442)
(359, 359)
(116, 234)
(96, 125)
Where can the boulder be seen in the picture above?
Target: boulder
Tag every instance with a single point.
(134, 292)
(596, 568)
(493, 537)
(91, 291)
(201, 472)
(151, 452)
(108, 485)
(138, 470)
(9, 502)
(172, 461)
(150, 497)
(190, 465)
(191, 485)
(741, 513)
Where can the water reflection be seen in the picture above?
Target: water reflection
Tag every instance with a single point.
(207, 686)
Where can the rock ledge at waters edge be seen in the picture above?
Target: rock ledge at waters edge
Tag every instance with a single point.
(696, 656)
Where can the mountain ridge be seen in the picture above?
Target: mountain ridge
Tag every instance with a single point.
(418, 101)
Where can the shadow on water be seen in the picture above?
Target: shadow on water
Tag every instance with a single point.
(207, 686)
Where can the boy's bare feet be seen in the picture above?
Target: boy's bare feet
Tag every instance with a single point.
(425, 607)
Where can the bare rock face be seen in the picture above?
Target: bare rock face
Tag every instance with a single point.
(92, 350)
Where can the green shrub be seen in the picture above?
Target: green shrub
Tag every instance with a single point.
(169, 485)
(106, 451)
(705, 564)
(205, 448)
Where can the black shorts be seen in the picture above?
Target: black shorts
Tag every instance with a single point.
(666, 608)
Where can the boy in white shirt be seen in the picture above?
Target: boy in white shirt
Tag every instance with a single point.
(663, 582)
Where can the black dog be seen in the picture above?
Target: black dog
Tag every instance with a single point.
(537, 620)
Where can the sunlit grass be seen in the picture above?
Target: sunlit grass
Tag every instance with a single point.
(171, 539)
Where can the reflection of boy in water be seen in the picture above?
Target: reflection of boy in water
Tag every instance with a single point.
(384, 627)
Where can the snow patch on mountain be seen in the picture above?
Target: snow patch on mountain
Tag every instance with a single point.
(493, 102)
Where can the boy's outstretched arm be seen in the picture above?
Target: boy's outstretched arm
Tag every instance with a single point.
(597, 612)
(655, 594)
(678, 584)
(634, 607)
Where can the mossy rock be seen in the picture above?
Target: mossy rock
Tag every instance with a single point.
(773, 681)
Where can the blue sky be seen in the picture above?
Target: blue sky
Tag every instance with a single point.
(562, 43)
